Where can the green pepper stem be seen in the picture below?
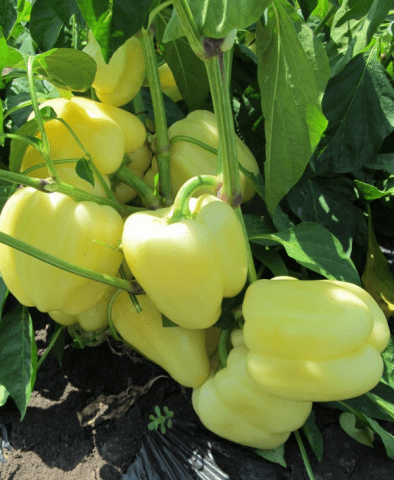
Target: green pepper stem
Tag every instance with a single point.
(163, 144)
(38, 184)
(181, 204)
(190, 27)
(130, 178)
(68, 267)
(304, 455)
(50, 346)
(44, 150)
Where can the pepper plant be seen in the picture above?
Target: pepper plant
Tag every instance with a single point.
(306, 88)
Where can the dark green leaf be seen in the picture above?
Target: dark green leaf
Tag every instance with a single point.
(307, 7)
(188, 70)
(3, 295)
(166, 322)
(384, 161)
(65, 9)
(66, 68)
(271, 259)
(312, 201)
(292, 72)
(114, 21)
(45, 25)
(356, 101)
(314, 436)
(173, 112)
(275, 455)
(84, 171)
(387, 438)
(17, 356)
(8, 15)
(315, 248)
(388, 359)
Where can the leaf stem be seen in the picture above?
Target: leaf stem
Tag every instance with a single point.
(190, 28)
(50, 346)
(304, 455)
(130, 178)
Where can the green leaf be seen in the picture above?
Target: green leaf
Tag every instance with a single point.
(388, 359)
(166, 322)
(314, 201)
(114, 21)
(356, 101)
(271, 259)
(384, 161)
(307, 7)
(45, 25)
(292, 72)
(352, 29)
(3, 295)
(65, 9)
(369, 192)
(314, 247)
(8, 15)
(84, 170)
(377, 278)
(66, 68)
(152, 425)
(387, 438)
(364, 435)
(4, 394)
(314, 436)
(275, 455)
(188, 70)
(216, 19)
(17, 356)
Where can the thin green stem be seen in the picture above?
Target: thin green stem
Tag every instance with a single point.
(186, 138)
(68, 267)
(50, 346)
(45, 147)
(130, 178)
(20, 179)
(23, 138)
(156, 10)
(304, 455)
(181, 204)
(162, 140)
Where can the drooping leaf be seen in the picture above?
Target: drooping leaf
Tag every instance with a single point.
(352, 29)
(275, 455)
(66, 68)
(356, 101)
(377, 278)
(292, 71)
(84, 171)
(314, 436)
(45, 25)
(307, 7)
(188, 70)
(17, 356)
(314, 247)
(363, 435)
(114, 21)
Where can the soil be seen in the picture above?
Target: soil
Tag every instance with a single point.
(87, 420)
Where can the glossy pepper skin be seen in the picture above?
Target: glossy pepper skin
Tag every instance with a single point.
(186, 268)
(83, 233)
(118, 81)
(232, 405)
(317, 340)
(189, 160)
(180, 351)
(106, 132)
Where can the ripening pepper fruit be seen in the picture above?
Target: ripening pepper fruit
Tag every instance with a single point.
(118, 81)
(168, 84)
(82, 233)
(190, 160)
(317, 340)
(232, 405)
(106, 132)
(187, 267)
(92, 319)
(180, 351)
